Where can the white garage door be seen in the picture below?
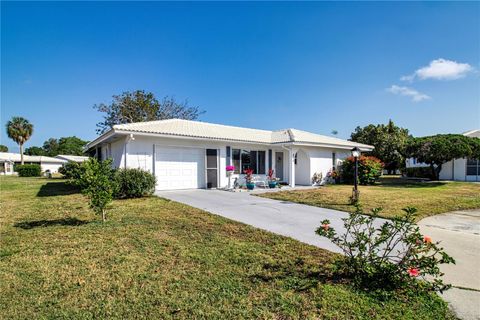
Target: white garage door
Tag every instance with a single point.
(179, 168)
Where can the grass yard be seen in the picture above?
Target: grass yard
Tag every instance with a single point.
(392, 194)
(160, 259)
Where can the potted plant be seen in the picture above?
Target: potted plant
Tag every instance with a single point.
(249, 179)
(317, 179)
(272, 181)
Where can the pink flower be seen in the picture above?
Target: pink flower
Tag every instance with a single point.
(230, 168)
(427, 239)
(325, 227)
(413, 272)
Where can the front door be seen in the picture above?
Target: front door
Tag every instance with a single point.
(279, 165)
(212, 168)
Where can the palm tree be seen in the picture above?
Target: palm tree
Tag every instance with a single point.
(19, 130)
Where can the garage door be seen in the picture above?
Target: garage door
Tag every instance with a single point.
(179, 168)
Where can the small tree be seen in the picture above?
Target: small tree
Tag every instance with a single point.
(98, 184)
(19, 130)
(3, 148)
(369, 169)
(439, 149)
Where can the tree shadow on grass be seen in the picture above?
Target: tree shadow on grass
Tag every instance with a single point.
(74, 222)
(51, 189)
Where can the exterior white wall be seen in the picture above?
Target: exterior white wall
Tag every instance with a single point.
(321, 161)
(117, 151)
(52, 166)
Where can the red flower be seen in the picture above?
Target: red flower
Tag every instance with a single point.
(427, 239)
(413, 272)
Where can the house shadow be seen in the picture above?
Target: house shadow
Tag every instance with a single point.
(51, 189)
(413, 184)
(74, 222)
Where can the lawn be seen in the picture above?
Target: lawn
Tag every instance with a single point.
(392, 194)
(156, 259)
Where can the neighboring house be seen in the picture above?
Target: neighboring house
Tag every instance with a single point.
(8, 159)
(464, 169)
(72, 158)
(186, 154)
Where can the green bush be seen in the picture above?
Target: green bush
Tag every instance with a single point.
(71, 170)
(28, 170)
(418, 172)
(369, 169)
(390, 256)
(134, 183)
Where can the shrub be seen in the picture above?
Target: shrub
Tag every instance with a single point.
(71, 170)
(28, 170)
(419, 172)
(98, 184)
(389, 256)
(134, 183)
(369, 169)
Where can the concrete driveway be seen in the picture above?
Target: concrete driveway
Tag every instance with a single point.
(289, 219)
(459, 233)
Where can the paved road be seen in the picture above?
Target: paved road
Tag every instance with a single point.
(459, 233)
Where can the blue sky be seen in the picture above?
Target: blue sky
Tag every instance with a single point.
(312, 66)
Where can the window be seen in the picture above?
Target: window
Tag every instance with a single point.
(334, 160)
(473, 167)
(248, 159)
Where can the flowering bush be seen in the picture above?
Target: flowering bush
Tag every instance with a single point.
(369, 169)
(387, 256)
(248, 175)
(230, 168)
(270, 176)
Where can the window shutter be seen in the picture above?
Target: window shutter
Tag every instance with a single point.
(270, 164)
(229, 157)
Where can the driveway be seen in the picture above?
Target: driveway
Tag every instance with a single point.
(289, 219)
(459, 233)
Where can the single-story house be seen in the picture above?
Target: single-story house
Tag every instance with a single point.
(464, 169)
(185, 154)
(8, 159)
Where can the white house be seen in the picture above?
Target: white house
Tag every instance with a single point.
(186, 154)
(72, 158)
(8, 159)
(464, 169)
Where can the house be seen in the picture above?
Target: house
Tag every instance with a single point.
(8, 160)
(185, 154)
(464, 169)
(72, 158)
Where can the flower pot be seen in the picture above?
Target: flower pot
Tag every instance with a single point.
(272, 184)
(250, 185)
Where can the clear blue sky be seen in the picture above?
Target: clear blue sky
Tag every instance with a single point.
(311, 66)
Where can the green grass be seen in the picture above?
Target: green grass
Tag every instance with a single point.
(157, 259)
(392, 194)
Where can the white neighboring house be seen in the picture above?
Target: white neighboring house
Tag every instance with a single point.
(185, 154)
(463, 169)
(8, 159)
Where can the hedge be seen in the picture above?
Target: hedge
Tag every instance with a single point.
(28, 170)
(419, 172)
(369, 169)
(134, 183)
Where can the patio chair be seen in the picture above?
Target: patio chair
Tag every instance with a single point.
(260, 181)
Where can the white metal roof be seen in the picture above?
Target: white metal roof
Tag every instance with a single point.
(15, 157)
(71, 158)
(472, 133)
(204, 130)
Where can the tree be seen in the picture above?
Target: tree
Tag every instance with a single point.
(19, 130)
(389, 140)
(71, 145)
(441, 148)
(51, 147)
(3, 148)
(35, 151)
(138, 106)
(98, 181)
